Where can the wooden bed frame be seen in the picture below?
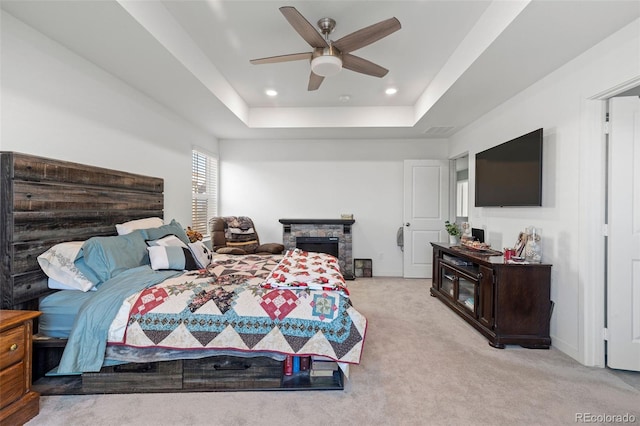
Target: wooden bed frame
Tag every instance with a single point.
(45, 202)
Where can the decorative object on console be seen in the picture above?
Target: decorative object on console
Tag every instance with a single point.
(478, 246)
(477, 234)
(508, 253)
(466, 231)
(454, 232)
(532, 251)
(520, 243)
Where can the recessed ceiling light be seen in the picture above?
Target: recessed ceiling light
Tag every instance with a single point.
(391, 91)
(271, 92)
(344, 98)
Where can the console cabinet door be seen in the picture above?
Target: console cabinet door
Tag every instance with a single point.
(448, 278)
(486, 290)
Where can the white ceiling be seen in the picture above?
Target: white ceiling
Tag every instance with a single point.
(451, 62)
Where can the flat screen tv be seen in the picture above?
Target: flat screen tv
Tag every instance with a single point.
(510, 174)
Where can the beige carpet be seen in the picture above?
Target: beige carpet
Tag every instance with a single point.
(421, 365)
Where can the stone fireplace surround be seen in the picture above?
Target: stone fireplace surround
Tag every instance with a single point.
(341, 228)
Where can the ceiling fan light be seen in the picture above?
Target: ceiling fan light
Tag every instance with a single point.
(326, 65)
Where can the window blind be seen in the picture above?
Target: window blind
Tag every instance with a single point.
(204, 190)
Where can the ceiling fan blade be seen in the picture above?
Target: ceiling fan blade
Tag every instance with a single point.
(282, 58)
(307, 31)
(358, 64)
(367, 35)
(315, 81)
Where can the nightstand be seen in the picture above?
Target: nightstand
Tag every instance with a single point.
(18, 403)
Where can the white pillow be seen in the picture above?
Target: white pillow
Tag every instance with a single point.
(166, 241)
(57, 263)
(57, 285)
(132, 225)
(201, 253)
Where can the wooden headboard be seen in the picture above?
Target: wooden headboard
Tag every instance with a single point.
(44, 202)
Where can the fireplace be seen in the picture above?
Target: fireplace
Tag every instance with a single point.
(321, 235)
(329, 245)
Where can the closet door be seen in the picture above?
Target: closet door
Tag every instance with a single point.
(623, 283)
(426, 208)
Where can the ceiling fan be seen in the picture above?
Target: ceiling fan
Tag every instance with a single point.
(329, 57)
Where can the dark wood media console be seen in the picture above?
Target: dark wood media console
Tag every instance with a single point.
(508, 303)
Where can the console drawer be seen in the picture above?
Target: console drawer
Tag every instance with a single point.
(12, 384)
(12, 346)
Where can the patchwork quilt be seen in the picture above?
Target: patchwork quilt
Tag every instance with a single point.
(228, 307)
(302, 269)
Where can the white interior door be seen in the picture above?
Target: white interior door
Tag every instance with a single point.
(623, 281)
(426, 207)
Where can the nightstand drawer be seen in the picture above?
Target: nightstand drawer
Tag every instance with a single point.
(12, 346)
(12, 384)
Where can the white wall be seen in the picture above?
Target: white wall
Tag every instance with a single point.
(56, 104)
(571, 217)
(270, 180)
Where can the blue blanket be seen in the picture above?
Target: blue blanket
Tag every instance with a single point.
(85, 349)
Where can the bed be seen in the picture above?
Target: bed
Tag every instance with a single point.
(231, 322)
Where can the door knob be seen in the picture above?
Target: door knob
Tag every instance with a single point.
(407, 224)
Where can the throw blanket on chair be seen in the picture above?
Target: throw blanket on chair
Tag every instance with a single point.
(240, 233)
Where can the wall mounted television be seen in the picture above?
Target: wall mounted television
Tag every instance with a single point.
(510, 174)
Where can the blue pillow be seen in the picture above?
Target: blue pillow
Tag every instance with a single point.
(102, 258)
(172, 228)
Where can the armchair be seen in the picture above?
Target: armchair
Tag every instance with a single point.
(237, 235)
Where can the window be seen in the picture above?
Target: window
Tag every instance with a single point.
(204, 190)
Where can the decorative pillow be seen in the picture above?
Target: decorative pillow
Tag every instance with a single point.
(172, 228)
(201, 253)
(230, 250)
(302, 269)
(57, 263)
(274, 248)
(102, 258)
(172, 257)
(167, 240)
(129, 227)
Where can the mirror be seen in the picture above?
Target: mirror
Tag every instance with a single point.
(462, 188)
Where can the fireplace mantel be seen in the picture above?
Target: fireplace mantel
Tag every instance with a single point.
(346, 223)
